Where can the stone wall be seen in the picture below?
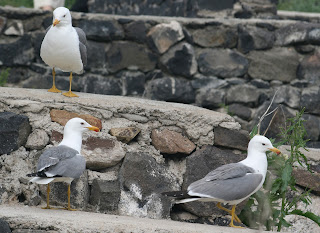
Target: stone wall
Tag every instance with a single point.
(187, 8)
(144, 148)
(228, 65)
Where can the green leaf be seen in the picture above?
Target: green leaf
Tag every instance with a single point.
(276, 213)
(286, 176)
(4, 76)
(276, 186)
(254, 131)
(284, 223)
(307, 214)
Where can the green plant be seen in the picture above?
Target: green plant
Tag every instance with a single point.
(29, 3)
(17, 3)
(280, 197)
(299, 5)
(226, 108)
(4, 76)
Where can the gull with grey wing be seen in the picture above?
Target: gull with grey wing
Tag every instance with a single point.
(231, 183)
(63, 163)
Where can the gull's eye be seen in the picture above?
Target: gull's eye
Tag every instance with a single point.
(263, 144)
(82, 123)
(64, 16)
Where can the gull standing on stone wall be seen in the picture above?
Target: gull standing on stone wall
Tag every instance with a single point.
(64, 47)
(63, 163)
(231, 183)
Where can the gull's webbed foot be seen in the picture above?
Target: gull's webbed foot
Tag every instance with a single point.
(54, 89)
(70, 94)
(70, 209)
(232, 225)
(49, 208)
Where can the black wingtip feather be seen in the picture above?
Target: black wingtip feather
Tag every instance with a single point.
(32, 174)
(176, 194)
(39, 174)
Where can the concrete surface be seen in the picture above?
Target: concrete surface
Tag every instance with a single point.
(77, 221)
(198, 123)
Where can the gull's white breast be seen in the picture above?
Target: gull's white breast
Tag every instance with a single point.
(60, 49)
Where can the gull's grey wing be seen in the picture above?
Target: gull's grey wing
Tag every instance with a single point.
(70, 167)
(82, 36)
(228, 189)
(54, 155)
(229, 171)
(48, 28)
(82, 45)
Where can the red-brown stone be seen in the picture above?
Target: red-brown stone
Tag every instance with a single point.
(63, 116)
(170, 142)
(307, 179)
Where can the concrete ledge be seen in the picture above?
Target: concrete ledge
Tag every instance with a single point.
(19, 217)
(107, 102)
(196, 121)
(301, 16)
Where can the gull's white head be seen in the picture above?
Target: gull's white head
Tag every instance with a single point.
(72, 134)
(261, 144)
(61, 17)
(79, 125)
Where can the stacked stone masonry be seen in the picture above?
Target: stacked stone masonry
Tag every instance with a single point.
(127, 165)
(144, 148)
(187, 8)
(231, 65)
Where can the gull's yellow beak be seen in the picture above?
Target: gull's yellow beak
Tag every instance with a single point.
(55, 22)
(275, 150)
(93, 128)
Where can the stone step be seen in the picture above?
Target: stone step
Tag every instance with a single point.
(25, 217)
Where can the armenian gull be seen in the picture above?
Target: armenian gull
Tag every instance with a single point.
(64, 47)
(63, 163)
(231, 183)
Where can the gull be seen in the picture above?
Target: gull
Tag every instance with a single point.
(231, 183)
(63, 163)
(64, 47)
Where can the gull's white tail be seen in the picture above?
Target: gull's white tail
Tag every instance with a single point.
(41, 180)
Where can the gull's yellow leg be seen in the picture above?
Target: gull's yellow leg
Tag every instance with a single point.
(229, 211)
(233, 210)
(70, 93)
(69, 193)
(53, 88)
(48, 195)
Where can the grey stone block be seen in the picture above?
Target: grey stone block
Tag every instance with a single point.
(137, 31)
(211, 98)
(254, 38)
(274, 64)
(235, 139)
(14, 131)
(4, 226)
(17, 52)
(170, 89)
(310, 99)
(101, 30)
(244, 94)
(105, 195)
(241, 111)
(180, 60)
(142, 180)
(215, 36)
(309, 69)
(223, 63)
(162, 36)
(130, 55)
